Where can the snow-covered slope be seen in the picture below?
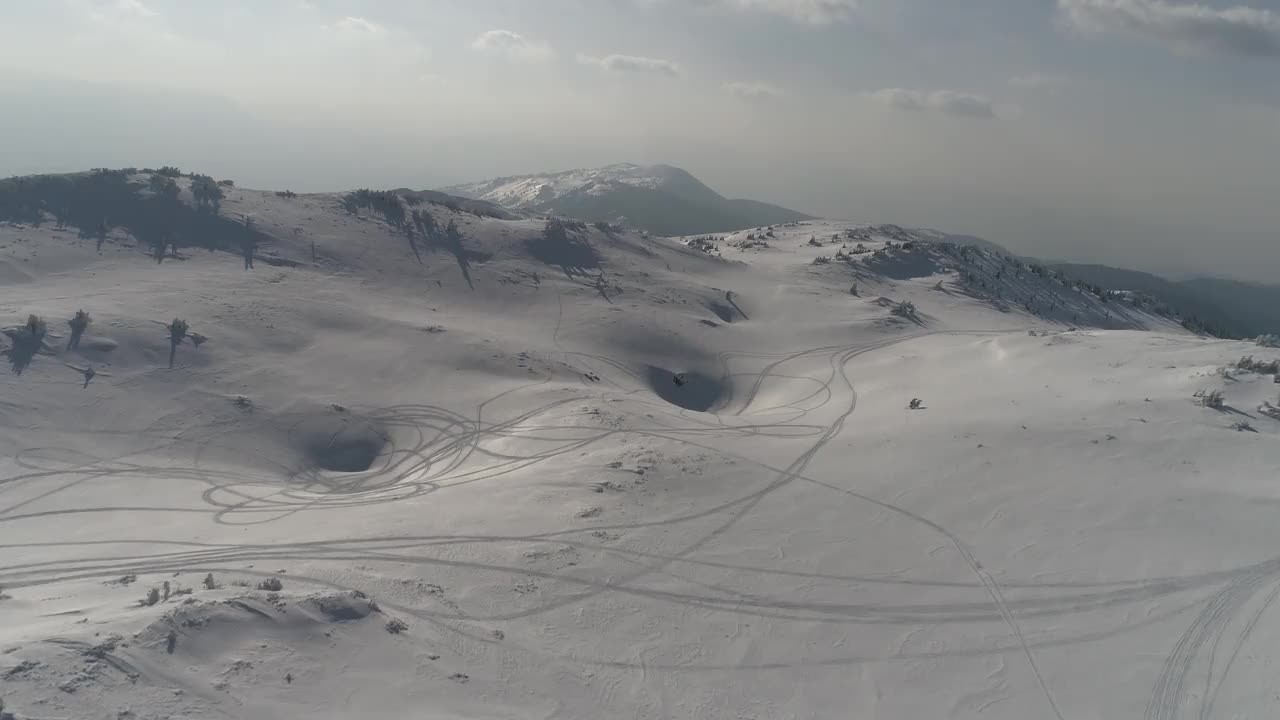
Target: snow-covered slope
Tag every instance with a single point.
(661, 199)
(472, 467)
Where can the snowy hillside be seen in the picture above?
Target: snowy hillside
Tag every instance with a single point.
(662, 199)
(533, 191)
(431, 463)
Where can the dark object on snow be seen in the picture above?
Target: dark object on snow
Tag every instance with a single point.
(177, 333)
(915, 404)
(78, 325)
(678, 379)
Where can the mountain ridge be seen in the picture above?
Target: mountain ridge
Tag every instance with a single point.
(661, 199)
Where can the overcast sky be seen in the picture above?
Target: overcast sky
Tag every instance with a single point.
(1136, 132)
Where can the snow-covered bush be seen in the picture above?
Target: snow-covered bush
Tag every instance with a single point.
(821, 260)
(1209, 398)
(906, 309)
(1271, 341)
(1262, 367)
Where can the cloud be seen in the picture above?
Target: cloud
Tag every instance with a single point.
(812, 12)
(805, 12)
(751, 91)
(358, 24)
(134, 7)
(1240, 30)
(633, 64)
(1037, 81)
(947, 102)
(505, 42)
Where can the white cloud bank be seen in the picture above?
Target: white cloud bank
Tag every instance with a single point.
(751, 91)
(632, 64)
(1240, 30)
(947, 102)
(511, 44)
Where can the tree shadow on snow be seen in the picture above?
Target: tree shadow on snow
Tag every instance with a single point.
(23, 348)
(904, 265)
(449, 240)
(562, 248)
(722, 311)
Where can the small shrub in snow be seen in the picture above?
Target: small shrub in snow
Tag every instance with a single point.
(1262, 367)
(1242, 426)
(36, 327)
(821, 260)
(915, 404)
(906, 309)
(1209, 398)
(153, 597)
(209, 584)
(395, 626)
(706, 244)
(271, 585)
(207, 193)
(1271, 341)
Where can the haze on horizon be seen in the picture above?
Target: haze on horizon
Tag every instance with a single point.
(1142, 133)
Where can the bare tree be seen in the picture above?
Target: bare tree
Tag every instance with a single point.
(78, 324)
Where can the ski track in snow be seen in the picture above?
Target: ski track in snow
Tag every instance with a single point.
(804, 400)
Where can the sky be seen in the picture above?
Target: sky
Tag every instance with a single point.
(1143, 133)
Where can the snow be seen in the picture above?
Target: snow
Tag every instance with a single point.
(531, 191)
(556, 529)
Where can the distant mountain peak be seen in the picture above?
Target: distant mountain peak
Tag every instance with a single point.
(663, 199)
